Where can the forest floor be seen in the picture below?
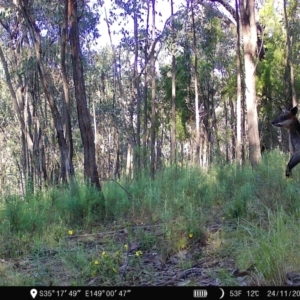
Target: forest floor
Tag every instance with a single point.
(231, 226)
(196, 264)
(201, 262)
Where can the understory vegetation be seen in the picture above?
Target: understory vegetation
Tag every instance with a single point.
(230, 225)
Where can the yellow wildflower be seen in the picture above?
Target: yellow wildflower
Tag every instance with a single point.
(138, 253)
(70, 232)
(96, 262)
(103, 253)
(191, 235)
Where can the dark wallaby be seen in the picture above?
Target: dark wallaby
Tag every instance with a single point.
(289, 121)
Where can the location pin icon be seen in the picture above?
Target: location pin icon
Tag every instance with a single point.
(33, 293)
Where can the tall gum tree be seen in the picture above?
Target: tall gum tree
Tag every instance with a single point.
(86, 131)
(173, 100)
(249, 33)
(247, 10)
(239, 87)
(197, 118)
(153, 98)
(289, 67)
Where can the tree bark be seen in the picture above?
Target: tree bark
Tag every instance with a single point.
(233, 130)
(145, 96)
(173, 101)
(249, 29)
(238, 88)
(247, 8)
(226, 126)
(153, 96)
(291, 97)
(136, 92)
(87, 136)
(197, 117)
(66, 98)
(15, 101)
(26, 137)
(65, 164)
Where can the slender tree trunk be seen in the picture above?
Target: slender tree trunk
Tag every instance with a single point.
(136, 93)
(129, 161)
(95, 130)
(247, 9)
(233, 129)
(159, 143)
(153, 96)
(216, 134)
(66, 98)
(239, 87)
(173, 117)
(116, 165)
(204, 147)
(145, 96)
(145, 117)
(197, 117)
(65, 165)
(244, 124)
(226, 126)
(38, 156)
(15, 101)
(128, 128)
(87, 136)
(289, 67)
(27, 142)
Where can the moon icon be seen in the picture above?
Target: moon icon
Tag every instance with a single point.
(222, 293)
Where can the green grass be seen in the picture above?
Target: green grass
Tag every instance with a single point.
(140, 232)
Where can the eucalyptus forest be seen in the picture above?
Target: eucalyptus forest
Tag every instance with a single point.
(137, 146)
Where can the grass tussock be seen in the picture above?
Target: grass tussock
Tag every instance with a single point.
(197, 226)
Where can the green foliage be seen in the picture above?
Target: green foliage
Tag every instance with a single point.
(116, 199)
(182, 111)
(38, 211)
(256, 211)
(274, 252)
(84, 207)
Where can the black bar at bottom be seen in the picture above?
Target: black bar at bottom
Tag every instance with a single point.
(184, 293)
